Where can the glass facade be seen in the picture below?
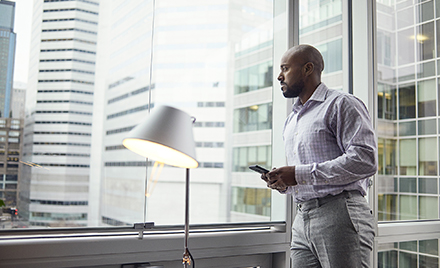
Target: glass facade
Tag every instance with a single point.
(407, 110)
(407, 125)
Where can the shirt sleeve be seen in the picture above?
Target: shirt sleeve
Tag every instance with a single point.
(351, 125)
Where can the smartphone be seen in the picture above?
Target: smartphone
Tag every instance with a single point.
(258, 169)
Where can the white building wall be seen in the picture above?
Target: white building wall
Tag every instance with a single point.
(59, 111)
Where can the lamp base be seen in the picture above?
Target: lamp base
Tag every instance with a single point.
(186, 258)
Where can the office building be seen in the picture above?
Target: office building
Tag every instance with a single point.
(59, 105)
(7, 54)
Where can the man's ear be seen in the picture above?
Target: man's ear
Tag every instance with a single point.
(308, 68)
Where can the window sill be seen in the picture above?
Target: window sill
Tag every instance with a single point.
(53, 248)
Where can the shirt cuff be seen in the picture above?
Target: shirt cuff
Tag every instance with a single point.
(289, 190)
(303, 174)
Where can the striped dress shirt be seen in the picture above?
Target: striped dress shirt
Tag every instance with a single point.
(331, 142)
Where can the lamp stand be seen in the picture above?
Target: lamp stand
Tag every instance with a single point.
(186, 254)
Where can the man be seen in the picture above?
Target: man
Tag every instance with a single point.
(331, 153)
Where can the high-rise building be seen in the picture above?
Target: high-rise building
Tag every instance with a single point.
(59, 105)
(7, 54)
(18, 99)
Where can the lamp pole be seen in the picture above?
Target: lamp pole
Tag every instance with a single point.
(186, 255)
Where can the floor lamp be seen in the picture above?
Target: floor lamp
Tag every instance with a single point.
(166, 136)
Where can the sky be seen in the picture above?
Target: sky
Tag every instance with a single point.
(22, 27)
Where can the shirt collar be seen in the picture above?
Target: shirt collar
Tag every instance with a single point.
(318, 95)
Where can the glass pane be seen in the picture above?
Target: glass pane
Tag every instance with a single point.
(387, 259)
(405, 17)
(408, 207)
(408, 185)
(428, 160)
(408, 157)
(406, 73)
(407, 128)
(429, 246)
(405, 46)
(428, 262)
(428, 186)
(387, 100)
(407, 260)
(387, 157)
(427, 127)
(426, 69)
(387, 207)
(425, 41)
(408, 245)
(407, 101)
(425, 12)
(428, 207)
(427, 98)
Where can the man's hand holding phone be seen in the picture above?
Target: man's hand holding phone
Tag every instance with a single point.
(278, 178)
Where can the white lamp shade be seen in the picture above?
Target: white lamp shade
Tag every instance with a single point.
(166, 135)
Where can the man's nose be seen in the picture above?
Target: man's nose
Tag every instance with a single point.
(280, 77)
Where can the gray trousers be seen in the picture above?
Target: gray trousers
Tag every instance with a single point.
(333, 231)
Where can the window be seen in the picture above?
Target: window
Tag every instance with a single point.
(193, 66)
